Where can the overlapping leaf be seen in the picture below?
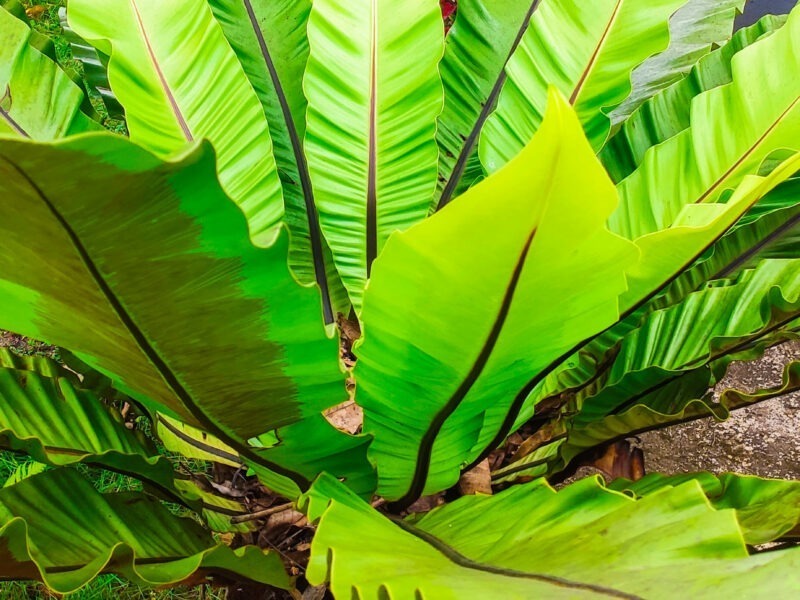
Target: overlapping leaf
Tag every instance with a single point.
(479, 44)
(269, 39)
(766, 509)
(37, 99)
(313, 445)
(159, 287)
(668, 253)
(179, 80)
(374, 93)
(707, 326)
(769, 229)
(56, 528)
(46, 414)
(694, 30)
(678, 404)
(606, 40)
(673, 357)
(530, 541)
(679, 261)
(734, 128)
(192, 442)
(94, 65)
(668, 113)
(442, 347)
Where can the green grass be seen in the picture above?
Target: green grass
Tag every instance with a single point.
(107, 587)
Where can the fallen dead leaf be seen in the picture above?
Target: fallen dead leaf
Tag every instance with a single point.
(347, 417)
(477, 480)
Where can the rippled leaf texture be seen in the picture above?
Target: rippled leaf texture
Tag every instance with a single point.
(607, 38)
(683, 259)
(477, 48)
(766, 509)
(159, 287)
(179, 80)
(734, 128)
(686, 401)
(659, 412)
(446, 356)
(37, 99)
(94, 64)
(529, 541)
(668, 253)
(668, 113)
(269, 39)
(694, 30)
(46, 413)
(374, 93)
(56, 528)
(708, 326)
(192, 442)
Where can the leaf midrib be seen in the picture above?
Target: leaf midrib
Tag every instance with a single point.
(168, 376)
(682, 369)
(422, 465)
(176, 110)
(747, 154)
(456, 557)
(488, 107)
(7, 115)
(774, 236)
(595, 55)
(312, 215)
(527, 389)
(372, 150)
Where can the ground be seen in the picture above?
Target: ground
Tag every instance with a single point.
(761, 440)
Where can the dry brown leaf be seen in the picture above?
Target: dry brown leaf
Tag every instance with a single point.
(477, 480)
(35, 12)
(347, 417)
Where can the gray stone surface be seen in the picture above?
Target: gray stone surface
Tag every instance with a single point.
(761, 440)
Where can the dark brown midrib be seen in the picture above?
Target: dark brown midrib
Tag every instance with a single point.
(147, 349)
(773, 236)
(312, 215)
(488, 107)
(426, 444)
(14, 125)
(372, 175)
(770, 395)
(456, 557)
(511, 470)
(519, 399)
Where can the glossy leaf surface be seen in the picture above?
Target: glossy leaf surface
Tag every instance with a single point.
(441, 348)
(159, 287)
(607, 38)
(86, 533)
(37, 99)
(179, 80)
(582, 542)
(374, 93)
